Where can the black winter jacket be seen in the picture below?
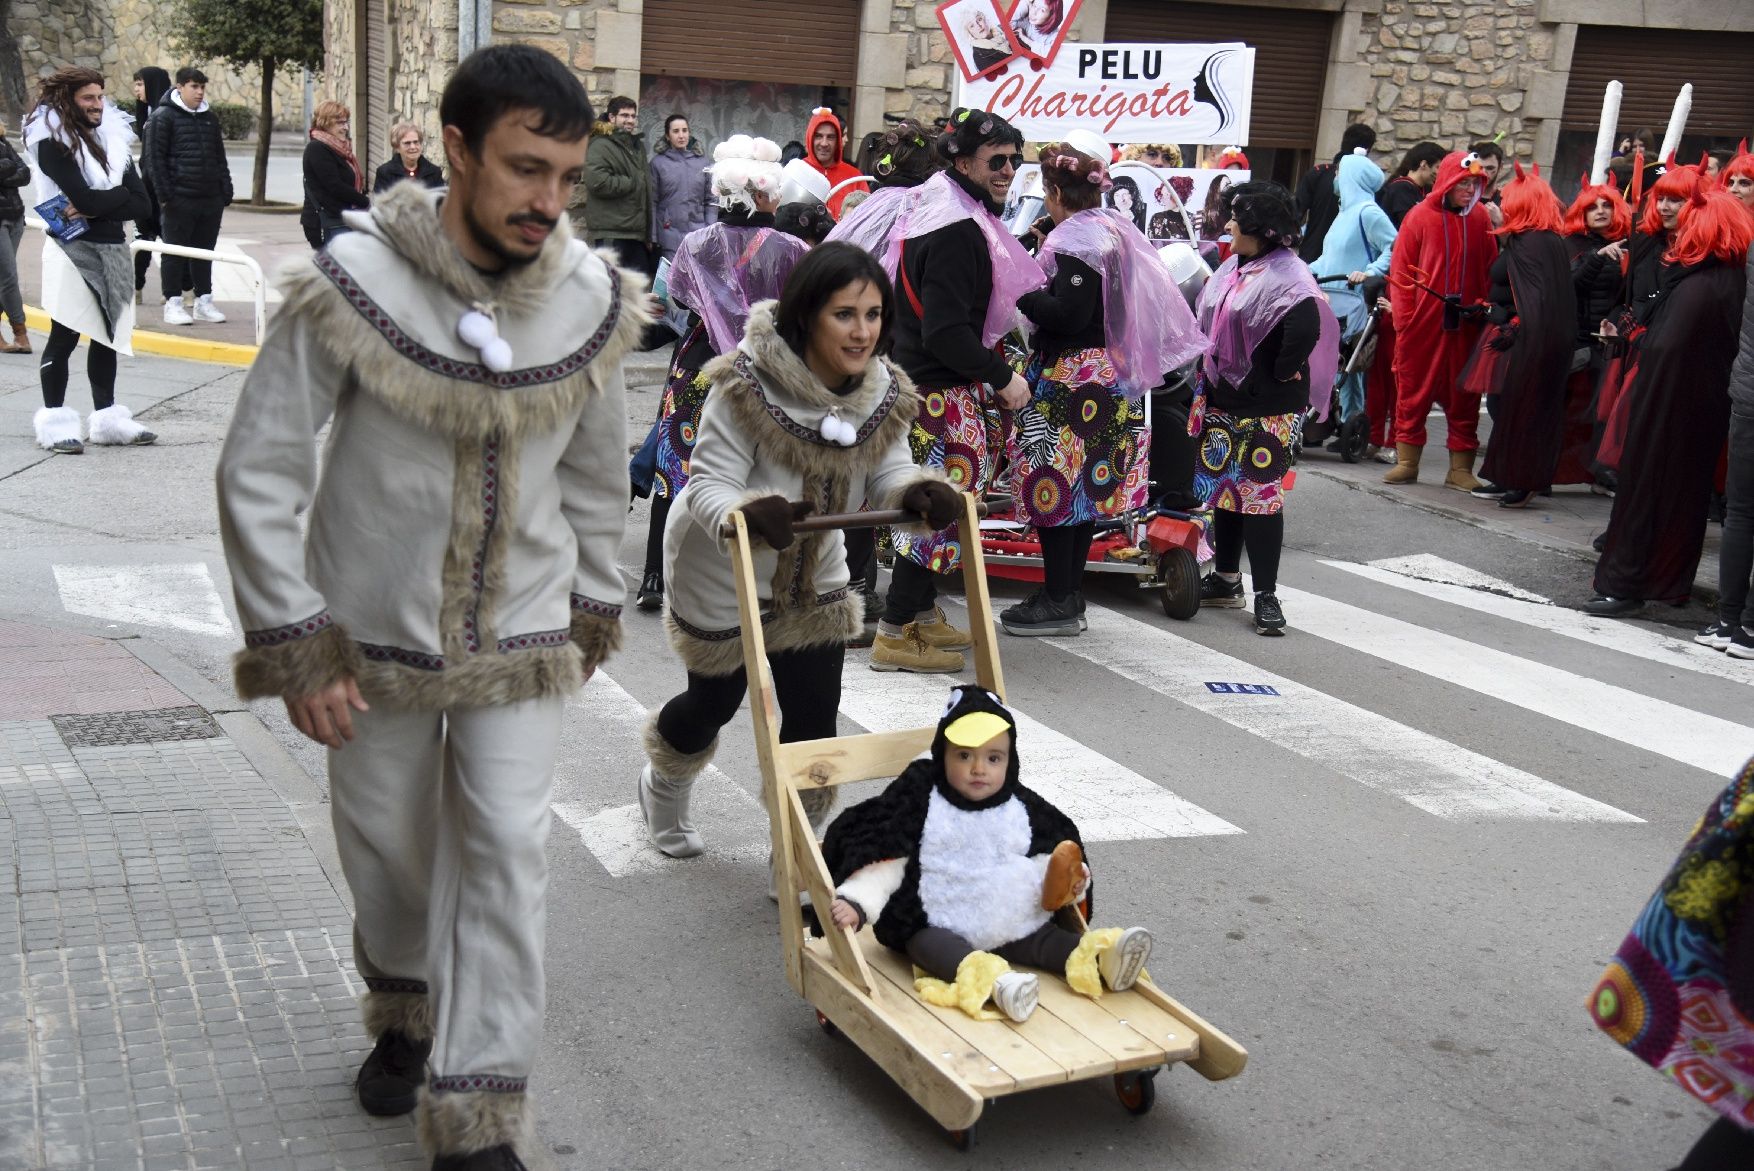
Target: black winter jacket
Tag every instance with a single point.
(392, 172)
(1598, 282)
(14, 174)
(951, 273)
(329, 182)
(184, 155)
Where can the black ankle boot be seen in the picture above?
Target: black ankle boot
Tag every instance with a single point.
(389, 1082)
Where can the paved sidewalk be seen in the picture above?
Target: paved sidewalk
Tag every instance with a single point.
(182, 992)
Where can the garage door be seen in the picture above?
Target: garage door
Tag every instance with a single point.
(781, 41)
(1653, 64)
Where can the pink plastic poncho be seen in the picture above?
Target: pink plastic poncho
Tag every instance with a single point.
(722, 269)
(1150, 329)
(1242, 303)
(893, 214)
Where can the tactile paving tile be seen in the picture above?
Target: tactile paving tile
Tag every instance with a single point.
(138, 727)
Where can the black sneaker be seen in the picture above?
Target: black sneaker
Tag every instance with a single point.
(500, 1158)
(1488, 492)
(389, 1082)
(1606, 606)
(1040, 615)
(651, 591)
(1269, 618)
(1599, 542)
(1515, 498)
(1078, 603)
(1741, 644)
(1218, 594)
(1717, 636)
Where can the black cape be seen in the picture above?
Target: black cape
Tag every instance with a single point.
(1529, 428)
(890, 826)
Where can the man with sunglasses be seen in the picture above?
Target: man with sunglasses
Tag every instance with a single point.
(957, 286)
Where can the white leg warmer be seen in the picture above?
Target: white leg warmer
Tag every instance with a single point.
(55, 424)
(114, 424)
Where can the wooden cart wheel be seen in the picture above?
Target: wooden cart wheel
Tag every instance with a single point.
(1181, 584)
(828, 1026)
(962, 1140)
(1137, 1091)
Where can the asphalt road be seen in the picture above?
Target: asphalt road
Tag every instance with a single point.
(1395, 883)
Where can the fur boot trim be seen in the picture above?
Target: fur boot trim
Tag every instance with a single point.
(975, 977)
(596, 636)
(55, 425)
(825, 624)
(671, 764)
(114, 424)
(300, 667)
(467, 1122)
(408, 1013)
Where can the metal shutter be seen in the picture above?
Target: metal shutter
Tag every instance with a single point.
(1653, 64)
(786, 42)
(371, 118)
(1291, 56)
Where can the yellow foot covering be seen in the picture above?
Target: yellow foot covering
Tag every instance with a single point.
(1083, 972)
(975, 977)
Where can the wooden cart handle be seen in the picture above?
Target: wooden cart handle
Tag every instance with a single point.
(868, 520)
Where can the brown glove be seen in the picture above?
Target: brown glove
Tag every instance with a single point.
(771, 518)
(1065, 869)
(936, 501)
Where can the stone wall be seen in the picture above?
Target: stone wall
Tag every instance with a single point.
(119, 36)
(600, 39)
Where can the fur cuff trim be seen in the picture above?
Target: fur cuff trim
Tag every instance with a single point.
(596, 636)
(408, 1013)
(55, 424)
(300, 667)
(484, 680)
(114, 424)
(893, 500)
(473, 1121)
(820, 625)
(671, 764)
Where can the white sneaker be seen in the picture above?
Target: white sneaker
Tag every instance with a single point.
(1122, 963)
(175, 314)
(1016, 994)
(204, 310)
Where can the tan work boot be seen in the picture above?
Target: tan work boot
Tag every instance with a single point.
(1406, 469)
(911, 652)
(1461, 471)
(937, 632)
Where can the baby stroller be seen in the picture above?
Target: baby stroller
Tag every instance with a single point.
(1346, 430)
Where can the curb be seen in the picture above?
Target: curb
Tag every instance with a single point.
(165, 345)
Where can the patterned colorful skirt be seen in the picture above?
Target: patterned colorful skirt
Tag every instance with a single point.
(1242, 463)
(1077, 450)
(679, 419)
(1667, 994)
(960, 430)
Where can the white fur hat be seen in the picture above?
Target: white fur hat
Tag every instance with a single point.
(744, 167)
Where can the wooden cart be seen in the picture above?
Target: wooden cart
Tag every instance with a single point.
(949, 1063)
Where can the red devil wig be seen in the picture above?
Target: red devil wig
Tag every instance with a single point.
(1715, 224)
(1742, 164)
(1676, 183)
(1529, 205)
(1618, 227)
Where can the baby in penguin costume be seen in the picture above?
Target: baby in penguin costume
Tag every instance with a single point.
(961, 868)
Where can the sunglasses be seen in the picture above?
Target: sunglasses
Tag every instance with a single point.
(1000, 162)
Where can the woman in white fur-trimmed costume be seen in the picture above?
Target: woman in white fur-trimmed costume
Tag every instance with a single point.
(81, 145)
(804, 416)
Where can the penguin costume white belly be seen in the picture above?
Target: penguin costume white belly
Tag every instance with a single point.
(976, 876)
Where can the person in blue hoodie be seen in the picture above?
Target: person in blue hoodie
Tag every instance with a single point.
(1357, 247)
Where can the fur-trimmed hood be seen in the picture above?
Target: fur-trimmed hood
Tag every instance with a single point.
(406, 217)
(786, 371)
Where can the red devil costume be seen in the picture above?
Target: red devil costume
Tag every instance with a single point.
(1438, 284)
(1525, 353)
(1598, 278)
(1678, 411)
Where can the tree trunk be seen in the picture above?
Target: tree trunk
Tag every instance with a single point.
(264, 132)
(14, 94)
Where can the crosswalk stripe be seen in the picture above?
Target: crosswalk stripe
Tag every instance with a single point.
(1430, 567)
(1108, 801)
(176, 597)
(1706, 742)
(733, 823)
(1427, 772)
(1604, 632)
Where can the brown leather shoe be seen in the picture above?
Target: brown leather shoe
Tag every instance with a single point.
(940, 634)
(20, 341)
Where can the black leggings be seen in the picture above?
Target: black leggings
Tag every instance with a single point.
(1263, 534)
(806, 684)
(1723, 1147)
(655, 534)
(941, 952)
(1064, 550)
(100, 368)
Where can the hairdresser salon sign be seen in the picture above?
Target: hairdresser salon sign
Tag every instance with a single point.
(1126, 93)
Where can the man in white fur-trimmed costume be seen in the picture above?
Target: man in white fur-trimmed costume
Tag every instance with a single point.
(459, 578)
(81, 145)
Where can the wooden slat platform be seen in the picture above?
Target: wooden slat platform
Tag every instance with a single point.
(1068, 1038)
